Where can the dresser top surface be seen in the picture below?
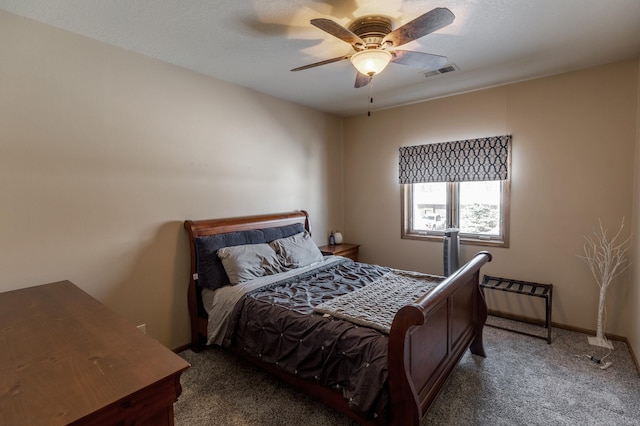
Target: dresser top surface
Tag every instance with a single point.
(64, 355)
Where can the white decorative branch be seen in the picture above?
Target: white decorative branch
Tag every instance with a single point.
(607, 259)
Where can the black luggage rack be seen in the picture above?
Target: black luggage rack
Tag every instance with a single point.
(527, 288)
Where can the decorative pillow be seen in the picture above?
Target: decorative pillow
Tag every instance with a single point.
(297, 250)
(243, 263)
(211, 273)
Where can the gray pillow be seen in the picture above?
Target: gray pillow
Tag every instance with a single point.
(211, 273)
(245, 262)
(297, 250)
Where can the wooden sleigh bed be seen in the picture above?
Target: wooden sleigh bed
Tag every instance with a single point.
(426, 341)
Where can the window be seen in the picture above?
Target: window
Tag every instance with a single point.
(474, 197)
(478, 209)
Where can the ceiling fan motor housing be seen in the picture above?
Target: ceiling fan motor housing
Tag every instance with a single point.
(371, 29)
(375, 42)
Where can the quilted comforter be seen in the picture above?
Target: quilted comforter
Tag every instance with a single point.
(277, 325)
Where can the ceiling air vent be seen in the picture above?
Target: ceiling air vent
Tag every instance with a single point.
(443, 70)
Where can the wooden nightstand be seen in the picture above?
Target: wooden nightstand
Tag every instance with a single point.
(344, 250)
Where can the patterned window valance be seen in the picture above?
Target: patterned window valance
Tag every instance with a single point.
(459, 161)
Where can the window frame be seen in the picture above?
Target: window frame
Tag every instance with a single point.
(452, 217)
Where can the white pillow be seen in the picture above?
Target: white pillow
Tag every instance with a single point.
(297, 250)
(245, 262)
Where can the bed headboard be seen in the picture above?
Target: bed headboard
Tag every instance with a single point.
(211, 227)
(200, 228)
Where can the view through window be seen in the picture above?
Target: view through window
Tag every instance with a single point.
(476, 208)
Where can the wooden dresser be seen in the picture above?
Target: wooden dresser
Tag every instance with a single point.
(67, 359)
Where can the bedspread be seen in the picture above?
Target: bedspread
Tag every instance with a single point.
(277, 325)
(376, 304)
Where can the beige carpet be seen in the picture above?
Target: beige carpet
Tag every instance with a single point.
(523, 381)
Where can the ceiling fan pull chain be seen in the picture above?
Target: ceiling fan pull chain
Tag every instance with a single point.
(370, 95)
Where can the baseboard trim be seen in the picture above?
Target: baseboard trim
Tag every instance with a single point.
(536, 321)
(633, 354)
(533, 321)
(182, 348)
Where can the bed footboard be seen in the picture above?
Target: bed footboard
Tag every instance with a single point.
(429, 337)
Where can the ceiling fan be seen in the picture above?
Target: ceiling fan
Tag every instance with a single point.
(375, 43)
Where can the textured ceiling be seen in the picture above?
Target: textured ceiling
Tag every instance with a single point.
(256, 43)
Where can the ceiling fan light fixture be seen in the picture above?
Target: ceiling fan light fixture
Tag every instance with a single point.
(371, 62)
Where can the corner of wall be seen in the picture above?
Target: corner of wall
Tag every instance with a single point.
(633, 312)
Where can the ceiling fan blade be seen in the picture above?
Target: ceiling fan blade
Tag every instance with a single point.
(339, 31)
(423, 61)
(420, 27)
(361, 80)
(317, 64)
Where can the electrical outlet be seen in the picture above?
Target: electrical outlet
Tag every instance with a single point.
(143, 328)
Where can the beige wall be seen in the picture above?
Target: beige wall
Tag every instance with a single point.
(574, 137)
(104, 153)
(634, 296)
